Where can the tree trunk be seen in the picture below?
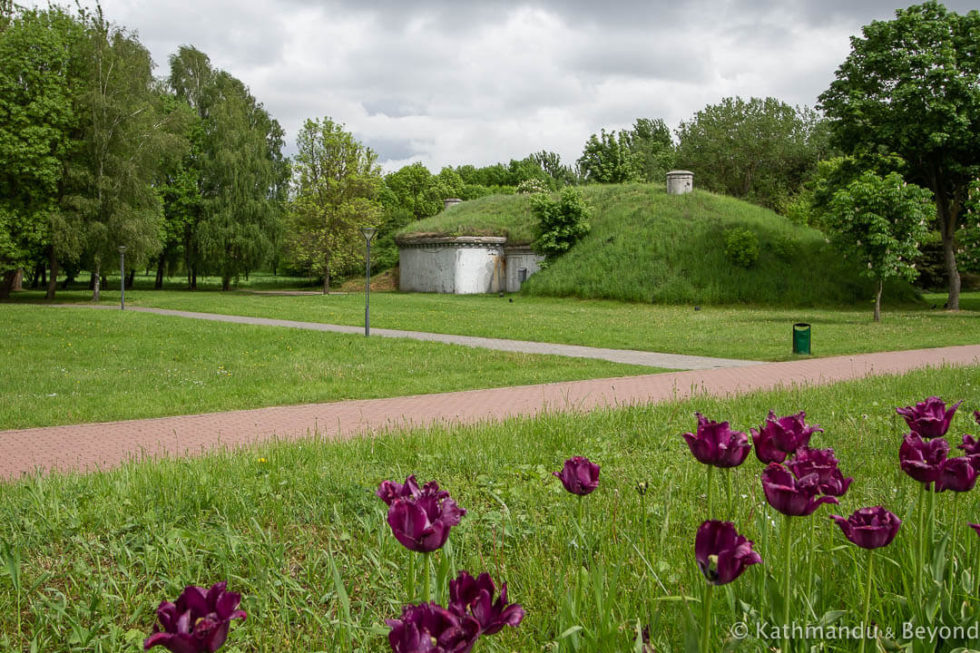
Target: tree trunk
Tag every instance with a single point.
(158, 283)
(18, 284)
(7, 284)
(53, 281)
(194, 278)
(97, 275)
(326, 274)
(131, 279)
(881, 285)
(947, 217)
(225, 282)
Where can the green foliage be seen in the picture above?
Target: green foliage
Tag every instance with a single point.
(239, 164)
(758, 150)
(560, 224)
(909, 87)
(124, 136)
(336, 181)
(37, 84)
(608, 159)
(652, 149)
(880, 222)
(742, 247)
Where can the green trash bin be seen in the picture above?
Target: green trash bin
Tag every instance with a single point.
(801, 338)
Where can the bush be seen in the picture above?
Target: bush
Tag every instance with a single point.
(560, 224)
(742, 247)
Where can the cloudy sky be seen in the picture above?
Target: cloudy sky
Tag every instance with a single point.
(450, 82)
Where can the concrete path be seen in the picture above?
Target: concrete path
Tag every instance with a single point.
(629, 356)
(94, 446)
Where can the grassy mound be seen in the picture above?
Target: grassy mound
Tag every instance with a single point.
(648, 246)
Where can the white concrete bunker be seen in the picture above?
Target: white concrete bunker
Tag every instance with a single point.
(463, 265)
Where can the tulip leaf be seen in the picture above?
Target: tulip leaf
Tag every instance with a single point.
(11, 561)
(831, 616)
(569, 632)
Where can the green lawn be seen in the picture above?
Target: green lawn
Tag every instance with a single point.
(731, 332)
(64, 366)
(100, 551)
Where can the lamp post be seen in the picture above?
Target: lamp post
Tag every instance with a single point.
(368, 233)
(122, 277)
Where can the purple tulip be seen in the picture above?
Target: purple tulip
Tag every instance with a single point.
(970, 445)
(430, 628)
(957, 474)
(717, 444)
(721, 553)
(869, 528)
(423, 524)
(976, 416)
(780, 436)
(823, 463)
(473, 597)
(975, 527)
(579, 475)
(790, 495)
(922, 459)
(198, 622)
(929, 418)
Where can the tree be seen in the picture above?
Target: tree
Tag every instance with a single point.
(560, 224)
(880, 223)
(608, 159)
(240, 168)
(36, 119)
(336, 182)
(123, 135)
(759, 150)
(652, 149)
(910, 87)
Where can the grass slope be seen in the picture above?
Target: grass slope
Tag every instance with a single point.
(647, 246)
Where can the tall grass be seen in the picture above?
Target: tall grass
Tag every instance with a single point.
(100, 551)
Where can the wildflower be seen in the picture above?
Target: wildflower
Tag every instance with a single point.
(419, 518)
(957, 474)
(721, 553)
(473, 597)
(715, 443)
(922, 459)
(780, 436)
(198, 622)
(823, 463)
(579, 475)
(430, 628)
(792, 496)
(929, 418)
(869, 528)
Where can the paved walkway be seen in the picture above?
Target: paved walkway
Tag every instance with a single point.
(92, 446)
(629, 356)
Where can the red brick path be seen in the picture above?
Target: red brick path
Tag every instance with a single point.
(92, 446)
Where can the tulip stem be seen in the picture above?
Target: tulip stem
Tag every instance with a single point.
(787, 574)
(921, 525)
(427, 586)
(728, 492)
(706, 621)
(411, 577)
(867, 601)
(809, 561)
(711, 514)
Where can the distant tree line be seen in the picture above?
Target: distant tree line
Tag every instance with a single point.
(188, 172)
